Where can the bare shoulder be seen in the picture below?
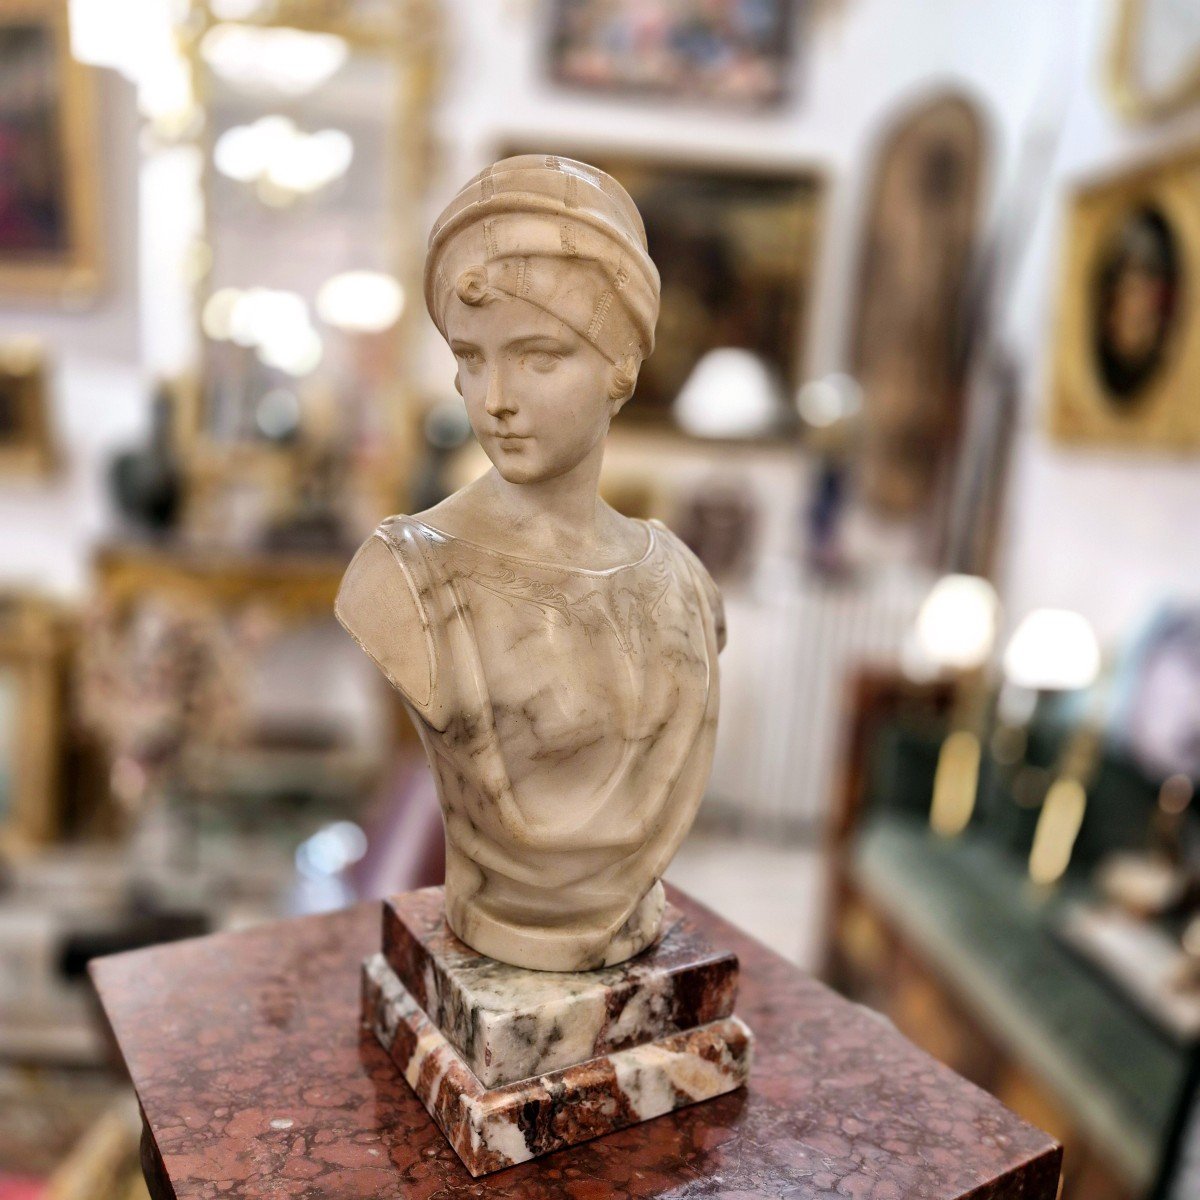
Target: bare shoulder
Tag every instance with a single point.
(631, 536)
(379, 605)
(459, 515)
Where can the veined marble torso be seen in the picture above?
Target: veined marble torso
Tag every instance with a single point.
(569, 717)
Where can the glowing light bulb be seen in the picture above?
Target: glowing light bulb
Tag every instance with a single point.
(245, 152)
(298, 354)
(217, 317)
(360, 301)
(730, 393)
(305, 163)
(291, 61)
(956, 625)
(824, 402)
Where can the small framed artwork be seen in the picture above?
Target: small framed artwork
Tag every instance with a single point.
(26, 447)
(48, 202)
(32, 686)
(736, 249)
(1155, 64)
(731, 52)
(1127, 353)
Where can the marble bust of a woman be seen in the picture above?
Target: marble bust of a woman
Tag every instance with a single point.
(559, 660)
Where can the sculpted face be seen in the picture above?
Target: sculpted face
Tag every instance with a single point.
(537, 393)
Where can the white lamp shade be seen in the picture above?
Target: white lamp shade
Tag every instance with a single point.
(729, 394)
(956, 626)
(1053, 650)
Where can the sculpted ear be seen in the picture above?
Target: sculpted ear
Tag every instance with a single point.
(623, 380)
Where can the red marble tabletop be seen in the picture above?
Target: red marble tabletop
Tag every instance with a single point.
(256, 1079)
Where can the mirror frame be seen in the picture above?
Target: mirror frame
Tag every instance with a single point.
(1128, 96)
(408, 32)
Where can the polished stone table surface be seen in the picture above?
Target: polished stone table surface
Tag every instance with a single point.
(256, 1079)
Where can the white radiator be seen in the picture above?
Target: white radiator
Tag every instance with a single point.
(783, 675)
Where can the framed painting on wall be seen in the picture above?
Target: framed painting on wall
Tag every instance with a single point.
(735, 248)
(732, 52)
(33, 648)
(1127, 351)
(48, 202)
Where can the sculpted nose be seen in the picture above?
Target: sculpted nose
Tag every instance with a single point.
(496, 402)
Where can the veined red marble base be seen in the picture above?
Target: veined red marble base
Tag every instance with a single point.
(493, 1128)
(508, 1023)
(513, 1063)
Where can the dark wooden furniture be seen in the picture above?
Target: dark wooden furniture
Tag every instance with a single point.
(256, 1079)
(951, 941)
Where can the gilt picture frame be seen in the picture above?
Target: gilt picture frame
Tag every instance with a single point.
(1127, 340)
(33, 649)
(49, 218)
(728, 53)
(736, 248)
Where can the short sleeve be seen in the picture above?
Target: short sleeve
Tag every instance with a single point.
(382, 604)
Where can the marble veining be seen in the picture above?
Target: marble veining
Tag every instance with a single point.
(508, 1023)
(570, 730)
(494, 1128)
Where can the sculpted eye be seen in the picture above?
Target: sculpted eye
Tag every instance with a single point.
(469, 358)
(543, 360)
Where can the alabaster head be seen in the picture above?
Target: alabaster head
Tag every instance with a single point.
(539, 279)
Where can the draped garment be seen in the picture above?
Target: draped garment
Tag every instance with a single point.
(569, 717)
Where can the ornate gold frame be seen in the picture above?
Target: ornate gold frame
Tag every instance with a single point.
(74, 276)
(1167, 416)
(1128, 96)
(33, 648)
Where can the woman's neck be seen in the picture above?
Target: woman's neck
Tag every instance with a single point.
(566, 509)
(560, 519)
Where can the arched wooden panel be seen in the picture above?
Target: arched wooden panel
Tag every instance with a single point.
(921, 231)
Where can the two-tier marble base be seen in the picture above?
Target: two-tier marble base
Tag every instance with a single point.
(513, 1063)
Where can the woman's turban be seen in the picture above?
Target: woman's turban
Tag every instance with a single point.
(520, 219)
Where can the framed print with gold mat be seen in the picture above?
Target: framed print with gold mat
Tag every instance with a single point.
(1127, 340)
(49, 235)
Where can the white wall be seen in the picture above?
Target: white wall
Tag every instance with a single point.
(857, 69)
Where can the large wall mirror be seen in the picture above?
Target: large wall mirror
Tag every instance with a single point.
(314, 141)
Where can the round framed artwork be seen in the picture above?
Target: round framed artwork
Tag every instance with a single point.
(1127, 340)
